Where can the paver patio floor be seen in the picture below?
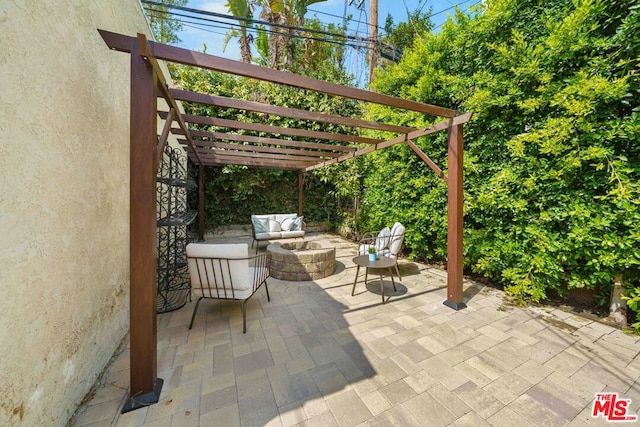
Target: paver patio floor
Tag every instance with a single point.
(317, 356)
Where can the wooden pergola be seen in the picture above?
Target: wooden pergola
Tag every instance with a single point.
(206, 148)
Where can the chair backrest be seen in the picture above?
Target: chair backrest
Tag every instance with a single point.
(383, 239)
(397, 237)
(219, 270)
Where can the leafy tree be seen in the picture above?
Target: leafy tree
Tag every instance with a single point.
(241, 9)
(281, 40)
(552, 162)
(401, 36)
(164, 29)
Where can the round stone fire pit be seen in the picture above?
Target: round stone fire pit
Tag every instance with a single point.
(300, 261)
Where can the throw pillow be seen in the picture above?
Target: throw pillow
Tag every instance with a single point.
(382, 241)
(260, 225)
(297, 224)
(286, 223)
(397, 238)
(274, 226)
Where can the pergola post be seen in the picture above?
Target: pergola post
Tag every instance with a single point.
(300, 186)
(145, 386)
(201, 203)
(455, 219)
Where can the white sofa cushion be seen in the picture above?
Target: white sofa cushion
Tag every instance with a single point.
(280, 217)
(274, 226)
(268, 236)
(292, 233)
(205, 273)
(286, 223)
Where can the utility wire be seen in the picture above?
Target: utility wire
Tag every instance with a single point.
(232, 26)
(249, 20)
(356, 42)
(342, 17)
(413, 24)
(468, 7)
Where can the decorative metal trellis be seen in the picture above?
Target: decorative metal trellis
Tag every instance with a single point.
(172, 232)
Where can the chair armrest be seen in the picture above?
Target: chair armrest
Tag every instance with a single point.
(261, 264)
(260, 260)
(368, 237)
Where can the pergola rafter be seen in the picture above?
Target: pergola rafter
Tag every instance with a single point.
(239, 104)
(223, 160)
(456, 121)
(279, 130)
(264, 141)
(257, 149)
(303, 152)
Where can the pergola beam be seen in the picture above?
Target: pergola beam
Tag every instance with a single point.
(263, 140)
(257, 127)
(220, 160)
(239, 104)
(258, 149)
(164, 137)
(151, 61)
(458, 120)
(300, 192)
(124, 43)
(145, 386)
(455, 216)
(263, 156)
(426, 159)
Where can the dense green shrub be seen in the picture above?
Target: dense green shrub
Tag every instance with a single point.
(234, 193)
(552, 155)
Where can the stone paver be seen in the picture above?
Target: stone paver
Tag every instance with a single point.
(317, 356)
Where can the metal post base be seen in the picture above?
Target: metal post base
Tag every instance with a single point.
(455, 305)
(143, 400)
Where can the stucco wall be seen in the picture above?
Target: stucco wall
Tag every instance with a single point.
(64, 202)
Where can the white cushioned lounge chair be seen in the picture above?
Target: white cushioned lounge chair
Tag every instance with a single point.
(388, 242)
(226, 271)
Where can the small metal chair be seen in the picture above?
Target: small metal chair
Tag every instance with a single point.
(226, 272)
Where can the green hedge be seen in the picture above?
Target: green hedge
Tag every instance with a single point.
(552, 155)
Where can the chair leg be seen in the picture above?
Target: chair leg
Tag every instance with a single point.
(195, 309)
(398, 271)
(266, 288)
(355, 281)
(244, 317)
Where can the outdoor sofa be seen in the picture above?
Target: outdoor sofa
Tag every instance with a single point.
(276, 226)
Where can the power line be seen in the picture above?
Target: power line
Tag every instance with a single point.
(231, 26)
(354, 41)
(468, 7)
(415, 30)
(248, 20)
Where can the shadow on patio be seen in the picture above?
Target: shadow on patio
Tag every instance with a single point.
(317, 356)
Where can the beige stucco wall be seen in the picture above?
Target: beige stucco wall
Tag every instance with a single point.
(64, 202)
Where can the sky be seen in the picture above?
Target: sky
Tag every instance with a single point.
(194, 37)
